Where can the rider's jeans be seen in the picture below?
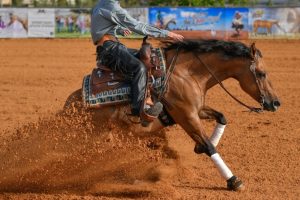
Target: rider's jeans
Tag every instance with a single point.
(119, 58)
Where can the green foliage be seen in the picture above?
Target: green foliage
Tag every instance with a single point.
(204, 3)
(131, 3)
(140, 3)
(163, 3)
(242, 2)
(270, 2)
(88, 3)
(17, 3)
(62, 3)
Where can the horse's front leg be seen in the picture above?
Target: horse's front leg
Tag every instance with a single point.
(191, 123)
(209, 113)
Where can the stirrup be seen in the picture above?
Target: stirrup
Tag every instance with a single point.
(149, 115)
(149, 101)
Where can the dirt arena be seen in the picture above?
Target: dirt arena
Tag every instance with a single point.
(46, 156)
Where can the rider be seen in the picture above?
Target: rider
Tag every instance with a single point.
(108, 19)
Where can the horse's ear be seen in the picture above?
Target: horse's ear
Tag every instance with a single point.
(145, 39)
(253, 50)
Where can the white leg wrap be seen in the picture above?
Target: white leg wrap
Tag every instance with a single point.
(217, 134)
(222, 167)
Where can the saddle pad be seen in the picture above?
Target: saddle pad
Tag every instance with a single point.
(105, 78)
(119, 95)
(104, 88)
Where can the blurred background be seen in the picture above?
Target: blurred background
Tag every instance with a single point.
(137, 3)
(195, 19)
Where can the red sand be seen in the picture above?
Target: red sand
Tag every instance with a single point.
(45, 156)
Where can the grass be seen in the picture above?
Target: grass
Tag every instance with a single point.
(72, 35)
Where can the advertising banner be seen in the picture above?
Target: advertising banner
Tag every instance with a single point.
(274, 22)
(72, 23)
(13, 23)
(236, 23)
(140, 14)
(191, 22)
(41, 23)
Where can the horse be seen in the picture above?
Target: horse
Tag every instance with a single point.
(268, 24)
(194, 67)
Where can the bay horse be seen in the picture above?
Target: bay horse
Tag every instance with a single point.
(194, 67)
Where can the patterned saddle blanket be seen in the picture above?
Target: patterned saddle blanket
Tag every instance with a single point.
(104, 87)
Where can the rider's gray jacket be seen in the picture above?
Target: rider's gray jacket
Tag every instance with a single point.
(108, 17)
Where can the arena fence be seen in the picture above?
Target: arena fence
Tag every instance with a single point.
(195, 22)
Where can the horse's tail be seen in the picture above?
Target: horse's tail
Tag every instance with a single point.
(74, 100)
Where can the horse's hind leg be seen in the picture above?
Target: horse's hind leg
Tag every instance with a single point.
(209, 113)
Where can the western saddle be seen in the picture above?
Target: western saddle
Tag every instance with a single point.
(104, 87)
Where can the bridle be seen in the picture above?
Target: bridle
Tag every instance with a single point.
(252, 69)
(258, 83)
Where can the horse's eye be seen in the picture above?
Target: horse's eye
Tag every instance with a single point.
(261, 75)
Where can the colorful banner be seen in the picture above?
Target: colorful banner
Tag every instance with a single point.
(192, 22)
(236, 23)
(140, 14)
(72, 23)
(13, 23)
(202, 22)
(187, 19)
(41, 23)
(274, 22)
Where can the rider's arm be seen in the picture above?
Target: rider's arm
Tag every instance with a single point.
(113, 15)
(119, 30)
(121, 16)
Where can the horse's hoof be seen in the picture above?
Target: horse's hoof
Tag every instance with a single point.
(235, 184)
(199, 149)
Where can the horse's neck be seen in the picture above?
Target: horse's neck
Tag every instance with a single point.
(221, 69)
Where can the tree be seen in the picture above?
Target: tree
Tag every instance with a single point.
(270, 2)
(205, 3)
(17, 3)
(62, 3)
(242, 2)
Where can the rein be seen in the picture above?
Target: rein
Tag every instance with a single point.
(252, 68)
(169, 73)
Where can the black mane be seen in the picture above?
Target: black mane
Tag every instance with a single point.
(230, 48)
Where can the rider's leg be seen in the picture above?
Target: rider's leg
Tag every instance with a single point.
(135, 71)
(138, 86)
(134, 52)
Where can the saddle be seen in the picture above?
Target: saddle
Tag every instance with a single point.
(104, 87)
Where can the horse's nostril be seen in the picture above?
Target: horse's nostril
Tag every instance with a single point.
(276, 103)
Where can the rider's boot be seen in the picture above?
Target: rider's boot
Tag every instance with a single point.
(150, 113)
(149, 110)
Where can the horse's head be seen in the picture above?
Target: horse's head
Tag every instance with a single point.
(255, 81)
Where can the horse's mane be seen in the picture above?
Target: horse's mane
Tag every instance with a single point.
(230, 48)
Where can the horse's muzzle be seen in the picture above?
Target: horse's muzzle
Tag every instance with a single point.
(271, 106)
